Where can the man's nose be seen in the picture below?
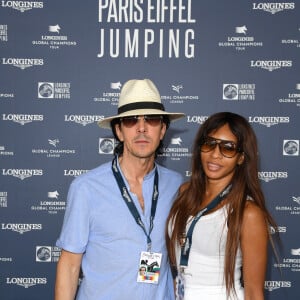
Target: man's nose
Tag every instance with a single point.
(141, 124)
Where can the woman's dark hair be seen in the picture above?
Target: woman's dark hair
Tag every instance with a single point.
(119, 148)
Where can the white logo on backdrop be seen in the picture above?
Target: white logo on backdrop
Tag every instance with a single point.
(3, 199)
(273, 7)
(23, 63)
(26, 282)
(83, 119)
(291, 147)
(115, 85)
(241, 91)
(53, 195)
(21, 228)
(3, 33)
(274, 285)
(45, 90)
(269, 176)
(230, 91)
(54, 40)
(4, 152)
(53, 142)
(296, 199)
(295, 251)
(293, 97)
(106, 145)
(47, 254)
(178, 98)
(22, 173)
(241, 29)
(176, 141)
(22, 6)
(54, 28)
(74, 173)
(22, 119)
(177, 88)
(271, 65)
(240, 41)
(269, 121)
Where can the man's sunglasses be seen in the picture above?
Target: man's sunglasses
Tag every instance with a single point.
(227, 148)
(152, 120)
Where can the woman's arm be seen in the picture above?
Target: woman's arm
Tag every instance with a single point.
(254, 242)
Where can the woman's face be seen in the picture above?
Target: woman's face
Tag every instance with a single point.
(216, 166)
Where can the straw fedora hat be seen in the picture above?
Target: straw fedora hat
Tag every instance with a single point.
(139, 97)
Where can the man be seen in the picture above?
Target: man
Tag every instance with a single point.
(115, 216)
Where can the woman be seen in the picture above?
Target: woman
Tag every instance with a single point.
(218, 226)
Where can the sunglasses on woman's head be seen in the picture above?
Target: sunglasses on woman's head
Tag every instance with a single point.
(152, 120)
(227, 148)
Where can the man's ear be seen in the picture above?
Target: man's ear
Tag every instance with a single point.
(163, 130)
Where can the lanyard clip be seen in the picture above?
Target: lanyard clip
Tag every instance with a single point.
(186, 246)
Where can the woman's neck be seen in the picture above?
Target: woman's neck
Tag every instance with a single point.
(214, 188)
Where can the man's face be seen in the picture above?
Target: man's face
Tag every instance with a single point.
(141, 137)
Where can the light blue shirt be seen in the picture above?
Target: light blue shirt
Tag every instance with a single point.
(98, 224)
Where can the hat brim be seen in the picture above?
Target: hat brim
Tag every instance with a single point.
(105, 123)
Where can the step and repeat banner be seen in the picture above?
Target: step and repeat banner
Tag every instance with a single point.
(62, 65)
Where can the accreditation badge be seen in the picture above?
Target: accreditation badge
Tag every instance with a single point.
(180, 281)
(149, 267)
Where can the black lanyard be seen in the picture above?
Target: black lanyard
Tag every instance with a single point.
(186, 247)
(130, 204)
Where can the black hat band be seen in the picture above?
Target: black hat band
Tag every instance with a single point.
(140, 105)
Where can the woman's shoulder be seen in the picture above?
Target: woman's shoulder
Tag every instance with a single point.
(252, 208)
(253, 213)
(254, 230)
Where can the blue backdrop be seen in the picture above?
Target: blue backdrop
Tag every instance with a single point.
(62, 64)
